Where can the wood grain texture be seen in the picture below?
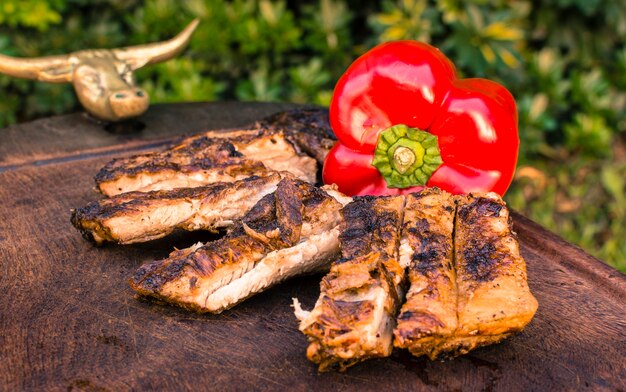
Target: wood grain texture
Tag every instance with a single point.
(69, 321)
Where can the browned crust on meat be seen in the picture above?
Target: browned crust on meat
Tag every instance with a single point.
(428, 317)
(149, 279)
(368, 267)
(202, 154)
(94, 220)
(206, 158)
(273, 223)
(220, 158)
(238, 136)
(481, 258)
(226, 155)
(289, 212)
(494, 297)
(120, 204)
(483, 297)
(370, 227)
(312, 121)
(334, 337)
(308, 129)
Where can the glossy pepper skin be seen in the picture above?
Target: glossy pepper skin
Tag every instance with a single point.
(410, 83)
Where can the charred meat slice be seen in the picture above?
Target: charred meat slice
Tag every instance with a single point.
(278, 154)
(468, 284)
(309, 129)
(494, 300)
(205, 159)
(143, 216)
(289, 232)
(467, 280)
(428, 318)
(354, 316)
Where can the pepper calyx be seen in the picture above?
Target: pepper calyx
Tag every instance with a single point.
(406, 156)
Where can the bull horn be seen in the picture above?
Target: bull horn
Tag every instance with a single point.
(141, 55)
(53, 69)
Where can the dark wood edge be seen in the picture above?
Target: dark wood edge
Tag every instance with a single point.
(136, 146)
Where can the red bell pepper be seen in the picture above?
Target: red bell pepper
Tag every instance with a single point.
(404, 121)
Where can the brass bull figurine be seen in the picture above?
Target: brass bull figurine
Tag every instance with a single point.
(102, 78)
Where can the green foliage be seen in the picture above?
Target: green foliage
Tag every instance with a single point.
(584, 202)
(563, 60)
(38, 14)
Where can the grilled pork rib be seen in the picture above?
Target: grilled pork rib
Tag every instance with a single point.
(143, 216)
(480, 297)
(428, 317)
(205, 159)
(467, 280)
(289, 232)
(309, 129)
(494, 300)
(353, 318)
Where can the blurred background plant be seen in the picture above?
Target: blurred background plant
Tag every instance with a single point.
(564, 60)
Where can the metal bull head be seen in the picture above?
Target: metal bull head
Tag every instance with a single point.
(103, 79)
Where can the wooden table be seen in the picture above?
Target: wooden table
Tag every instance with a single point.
(69, 321)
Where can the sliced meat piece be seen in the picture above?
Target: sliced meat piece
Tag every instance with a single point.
(202, 163)
(289, 232)
(428, 318)
(309, 129)
(494, 300)
(143, 216)
(205, 159)
(278, 154)
(354, 316)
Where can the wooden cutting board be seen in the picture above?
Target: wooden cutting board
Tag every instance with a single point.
(69, 321)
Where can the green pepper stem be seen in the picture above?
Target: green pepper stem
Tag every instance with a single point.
(406, 156)
(403, 159)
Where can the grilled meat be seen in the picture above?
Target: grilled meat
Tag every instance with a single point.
(309, 129)
(205, 159)
(289, 232)
(467, 281)
(428, 317)
(494, 300)
(478, 298)
(353, 318)
(143, 216)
